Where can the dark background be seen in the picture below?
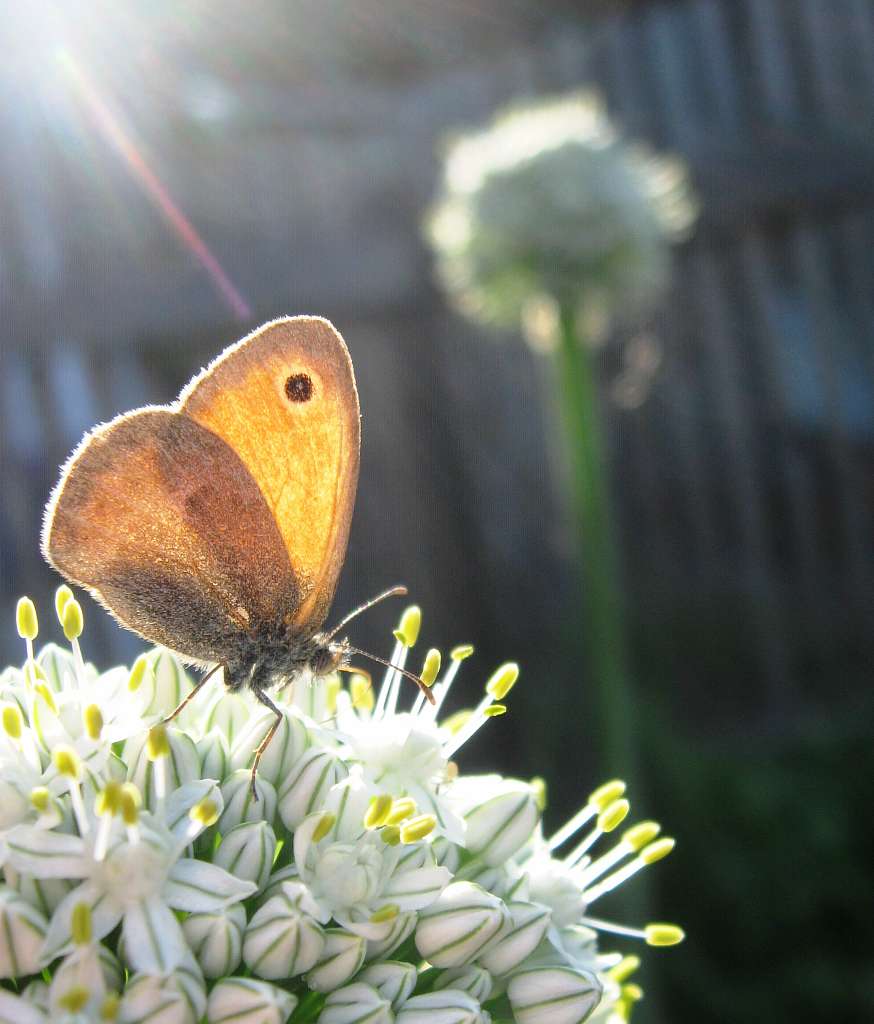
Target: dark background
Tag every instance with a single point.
(297, 143)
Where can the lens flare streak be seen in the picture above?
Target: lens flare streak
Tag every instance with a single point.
(152, 185)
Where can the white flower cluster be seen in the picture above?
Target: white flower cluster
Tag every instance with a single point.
(549, 201)
(369, 881)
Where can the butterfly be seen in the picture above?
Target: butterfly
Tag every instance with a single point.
(217, 526)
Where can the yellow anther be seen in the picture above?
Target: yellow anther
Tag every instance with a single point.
(205, 812)
(42, 690)
(62, 595)
(632, 992)
(74, 999)
(655, 851)
(607, 793)
(324, 826)
(410, 624)
(502, 680)
(387, 913)
(80, 924)
(157, 745)
(538, 788)
(390, 834)
(378, 811)
(431, 666)
(361, 690)
(67, 762)
(92, 719)
(39, 799)
(455, 723)
(450, 773)
(109, 799)
(137, 673)
(495, 710)
(624, 969)
(640, 834)
(332, 691)
(13, 721)
(664, 935)
(461, 652)
(401, 809)
(613, 815)
(73, 621)
(26, 620)
(417, 828)
(129, 804)
(110, 1007)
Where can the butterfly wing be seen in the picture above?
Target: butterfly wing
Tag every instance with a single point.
(285, 400)
(163, 523)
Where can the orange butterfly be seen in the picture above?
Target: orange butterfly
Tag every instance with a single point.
(217, 526)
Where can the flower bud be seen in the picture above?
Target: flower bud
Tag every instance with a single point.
(247, 1001)
(399, 931)
(289, 742)
(247, 851)
(502, 821)
(459, 924)
(24, 930)
(393, 980)
(152, 998)
(449, 1007)
(528, 925)
(354, 1003)
(284, 939)
(215, 758)
(229, 714)
(553, 995)
(240, 803)
(304, 788)
(180, 766)
(341, 959)
(167, 683)
(216, 939)
(473, 979)
(56, 664)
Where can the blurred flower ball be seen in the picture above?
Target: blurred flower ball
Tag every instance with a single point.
(549, 202)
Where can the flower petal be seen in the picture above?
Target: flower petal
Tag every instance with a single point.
(105, 915)
(202, 888)
(152, 938)
(413, 890)
(46, 854)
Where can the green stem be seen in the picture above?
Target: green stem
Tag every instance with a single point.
(603, 619)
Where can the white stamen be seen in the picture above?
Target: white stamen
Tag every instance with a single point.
(615, 929)
(586, 813)
(439, 692)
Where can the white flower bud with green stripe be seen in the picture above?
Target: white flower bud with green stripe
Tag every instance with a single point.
(553, 995)
(249, 1001)
(247, 851)
(24, 930)
(393, 980)
(459, 925)
(304, 788)
(500, 814)
(476, 981)
(341, 959)
(284, 938)
(449, 1006)
(216, 939)
(240, 803)
(356, 1004)
(289, 742)
(529, 923)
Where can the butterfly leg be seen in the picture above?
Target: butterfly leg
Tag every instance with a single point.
(192, 694)
(265, 743)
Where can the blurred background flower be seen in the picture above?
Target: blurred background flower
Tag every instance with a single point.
(172, 175)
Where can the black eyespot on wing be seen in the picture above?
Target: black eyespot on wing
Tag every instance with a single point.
(299, 387)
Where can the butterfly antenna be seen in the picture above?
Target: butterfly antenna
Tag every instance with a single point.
(398, 591)
(423, 686)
